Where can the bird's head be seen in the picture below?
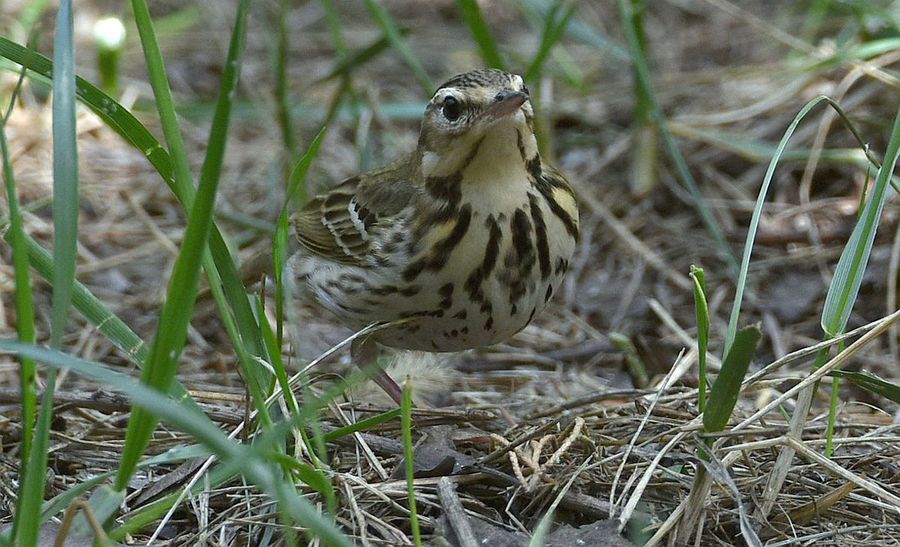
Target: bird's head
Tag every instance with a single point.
(468, 108)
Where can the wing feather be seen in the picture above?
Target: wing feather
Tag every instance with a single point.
(341, 224)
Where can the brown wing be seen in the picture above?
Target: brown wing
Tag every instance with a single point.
(341, 224)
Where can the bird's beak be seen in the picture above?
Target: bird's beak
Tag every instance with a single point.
(505, 103)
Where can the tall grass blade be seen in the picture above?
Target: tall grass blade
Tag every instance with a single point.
(409, 460)
(165, 105)
(474, 19)
(579, 30)
(359, 58)
(296, 187)
(754, 221)
(162, 361)
(362, 425)
(285, 122)
(267, 477)
(851, 266)
(65, 174)
(24, 298)
(554, 29)
(542, 531)
(642, 73)
(129, 128)
(115, 115)
(392, 31)
(65, 239)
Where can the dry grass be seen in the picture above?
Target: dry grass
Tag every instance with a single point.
(550, 417)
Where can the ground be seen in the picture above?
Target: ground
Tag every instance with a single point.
(565, 415)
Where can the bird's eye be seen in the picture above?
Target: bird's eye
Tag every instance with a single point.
(451, 109)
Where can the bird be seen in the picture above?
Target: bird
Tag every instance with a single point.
(456, 245)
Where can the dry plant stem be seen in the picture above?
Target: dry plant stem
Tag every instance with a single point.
(831, 466)
(674, 374)
(790, 442)
(801, 411)
(696, 507)
(364, 446)
(357, 514)
(69, 516)
(837, 361)
(455, 513)
(837, 470)
(808, 351)
(276, 393)
(630, 240)
(645, 480)
(676, 516)
(785, 457)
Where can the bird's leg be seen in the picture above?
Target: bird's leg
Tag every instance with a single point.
(364, 352)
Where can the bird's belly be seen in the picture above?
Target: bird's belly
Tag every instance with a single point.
(470, 322)
(499, 273)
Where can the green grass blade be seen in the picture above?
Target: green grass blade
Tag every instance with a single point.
(727, 387)
(112, 113)
(24, 298)
(65, 239)
(542, 530)
(98, 314)
(164, 103)
(474, 19)
(90, 306)
(634, 366)
(309, 475)
(754, 221)
(285, 121)
(65, 174)
(409, 460)
(642, 73)
(872, 383)
(333, 18)
(256, 469)
(579, 30)
(34, 474)
(701, 309)
(244, 326)
(851, 266)
(361, 425)
(125, 124)
(391, 30)
(554, 29)
(274, 349)
(32, 14)
(360, 57)
(162, 361)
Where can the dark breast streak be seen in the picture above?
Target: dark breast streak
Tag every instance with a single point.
(437, 257)
(545, 185)
(519, 260)
(540, 235)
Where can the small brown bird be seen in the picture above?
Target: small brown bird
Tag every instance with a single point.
(455, 246)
